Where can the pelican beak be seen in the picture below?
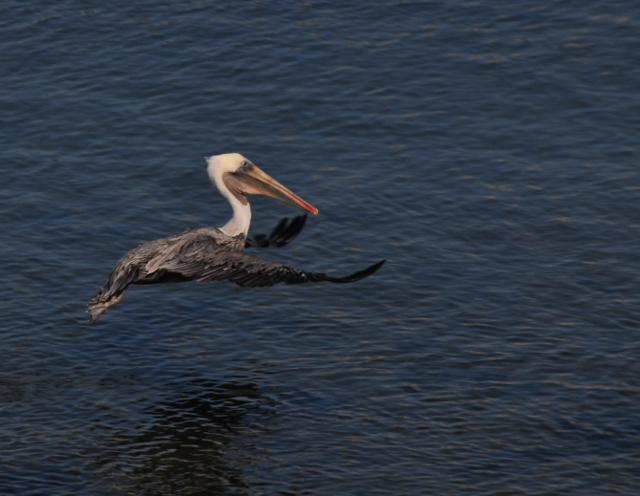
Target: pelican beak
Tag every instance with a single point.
(253, 181)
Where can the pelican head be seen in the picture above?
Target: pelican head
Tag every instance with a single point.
(235, 177)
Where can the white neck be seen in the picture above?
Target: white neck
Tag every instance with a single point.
(239, 223)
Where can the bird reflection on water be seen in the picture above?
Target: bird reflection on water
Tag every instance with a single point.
(187, 441)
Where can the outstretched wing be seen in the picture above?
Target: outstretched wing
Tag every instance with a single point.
(142, 265)
(204, 261)
(201, 255)
(283, 234)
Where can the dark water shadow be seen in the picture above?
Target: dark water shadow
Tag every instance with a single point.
(190, 444)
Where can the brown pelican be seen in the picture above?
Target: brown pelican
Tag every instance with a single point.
(216, 254)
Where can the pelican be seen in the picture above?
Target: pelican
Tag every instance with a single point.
(216, 254)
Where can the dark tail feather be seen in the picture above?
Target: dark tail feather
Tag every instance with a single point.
(353, 277)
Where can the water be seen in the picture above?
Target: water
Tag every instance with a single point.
(488, 151)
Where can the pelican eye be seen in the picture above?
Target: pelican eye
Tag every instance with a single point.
(245, 166)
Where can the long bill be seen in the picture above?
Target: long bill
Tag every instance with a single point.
(251, 180)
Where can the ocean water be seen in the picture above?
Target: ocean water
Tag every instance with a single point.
(487, 150)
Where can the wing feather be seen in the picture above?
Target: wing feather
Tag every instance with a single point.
(205, 261)
(283, 234)
(205, 255)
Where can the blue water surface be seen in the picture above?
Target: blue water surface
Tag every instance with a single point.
(487, 150)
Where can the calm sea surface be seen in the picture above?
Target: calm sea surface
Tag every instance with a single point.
(488, 150)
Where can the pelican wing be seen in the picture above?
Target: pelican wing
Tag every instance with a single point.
(283, 234)
(143, 264)
(202, 255)
(204, 261)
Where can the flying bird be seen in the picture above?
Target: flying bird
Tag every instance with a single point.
(217, 254)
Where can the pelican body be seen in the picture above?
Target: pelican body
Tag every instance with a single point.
(217, 254)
